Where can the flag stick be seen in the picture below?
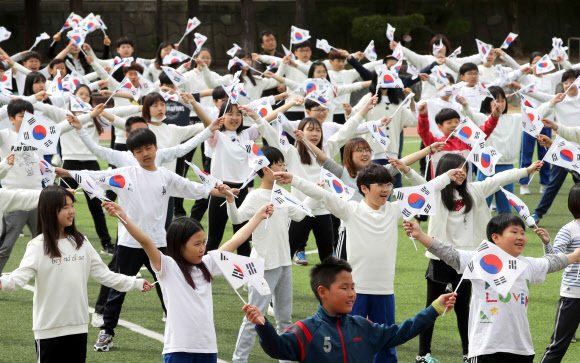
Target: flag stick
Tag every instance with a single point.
(271, 197)
(180, 40)
(534, 174)
(154, 283)
(427, 165)
(414, 244)
(245, 303)
(65, 183)
(255, 70)
(81, 49)
(51, 44)
(457, 288)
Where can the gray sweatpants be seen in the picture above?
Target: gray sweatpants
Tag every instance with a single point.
(12, 225)
(280, 282)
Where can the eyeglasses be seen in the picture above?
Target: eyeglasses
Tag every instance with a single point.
(472, 74)
(383, 185)
(324, 110)
(361, 150)
(306, 50)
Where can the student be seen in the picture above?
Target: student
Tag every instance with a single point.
(389, 61)
(34, 83)
(567, 319)
(163, 50)
(503, 336)
(186, 275)
(31, 62)
(462, 212)
(469, 73)
(502, 139)
(61, 259)
(322, 336)
(196, 82)
(77, 59)
(487, 72)
(270, 244)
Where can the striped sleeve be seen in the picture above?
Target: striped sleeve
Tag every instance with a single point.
(562, 240)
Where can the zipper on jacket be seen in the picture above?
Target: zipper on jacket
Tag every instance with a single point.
(341, 339)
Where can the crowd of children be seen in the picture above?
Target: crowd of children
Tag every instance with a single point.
(162, 109)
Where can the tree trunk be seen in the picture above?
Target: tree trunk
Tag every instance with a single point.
(31, 21)
(192, 10)
(248, 25)
(514, 24)
(76, 6)
(302, 13)
(159, 22)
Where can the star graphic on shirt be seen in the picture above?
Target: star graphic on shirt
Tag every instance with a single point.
(493, 311)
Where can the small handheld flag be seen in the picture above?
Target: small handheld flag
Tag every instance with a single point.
(508, 40)
(199, 40)
(280, 121)
(483, 49)
(398, 51)
(437, 48)
(6, 80)
(378, 135)
(520, 207)
(119, 181)
(390, 32)
(78, 105)
(485, 159)
(387, 78)
(416, 200)
(47, 172)
(77, 36)
(468, 132)
(563, 153)
(336, 186)
(177, 78)
(558, 50)
(544, 65)
(39, 38)
(531, 121)
(233, 50)
(287, 51)
(455, 53)
(256, 158)
(323, 45)
(370, 52)
(283, 198)
(191, 25)
(39, 132)
(174, 57)
(298, 35)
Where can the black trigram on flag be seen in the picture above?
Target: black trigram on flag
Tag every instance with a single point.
(500, 281)
(425, 191)
(470, 266)
(78, 178)
(482, 247)
(237, 273)
(31, 121)
(223, 257)
(512, 265)
(251, 268)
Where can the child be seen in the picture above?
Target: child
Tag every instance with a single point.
(333, 336)
(162, 50)
(186, 275)
(125, 49)
(462, 212)
(498, 326)
(371, 238)
(567, 318)
(469, 73)
(62, 259)
(487, 72)
(271, 244)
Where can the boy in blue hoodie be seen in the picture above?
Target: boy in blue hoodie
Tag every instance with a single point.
(331, 335)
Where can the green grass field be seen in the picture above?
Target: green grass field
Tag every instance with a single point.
(17, 339)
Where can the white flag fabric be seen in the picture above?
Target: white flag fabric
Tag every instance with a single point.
(544, 65)
(6, 79)
(56, 86)
(455, 53)
(233, 50)
(282, 198)
(261, 106)
(416, 200)
(437, 48)
(390, 32)
(127, 86)
(397, 67)
(199, 40)
(47, 172)
(387, 78)
(298, 35)
(336, 186)
(272, 65)
(191, 25)
(167, 96)
(77, 36)
(563, 153)
(320, 85)
(119, 62)
(256, 158)
(101, 23)
(323, 44)
(205, 178)
(378, 135)
(412, 70)
(370, 52)
(576, 84)
(78, 105)
(175, 57)
(508, 40)
(483, 91)
(483, 49)
(39, 132)
(4, 34)
(524, 101)
(253, 174)
(286, 52)
(468, 132)
(145, 85)
(283, 141)
(177, 78)
(90, 23)
(558, 49)
(440, 75)
(238, 270)
(235, 61)
(398, 51)
(88, 184)
(72, 21)
(531, 121)
(320, 99)
(119, 181)
(485, 159)
(520, 207)
(40, 38)
(494, 266)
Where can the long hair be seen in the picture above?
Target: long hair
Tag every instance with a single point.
(435, 40)
(31, 79)
(224, 110)
(393, 94)
(178, 233)
(243, 54)
(496, 91)
(158, 59)
(313, 68)
(303, 150)
(446, 163)
(97, 124)
(52, 200)
(349, 149)
(148, 101)
(83, 60)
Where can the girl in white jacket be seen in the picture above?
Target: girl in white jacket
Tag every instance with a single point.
(462, 215)
(61, 259)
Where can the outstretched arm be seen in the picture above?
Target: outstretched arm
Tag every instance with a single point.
(246, 231)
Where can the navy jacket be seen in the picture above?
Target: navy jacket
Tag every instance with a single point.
(340, 338)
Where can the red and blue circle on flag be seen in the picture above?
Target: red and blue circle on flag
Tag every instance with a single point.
(416, 200)
(466, 132)
(39, 132)
(566, 155)
(491, 264)
(117, 181)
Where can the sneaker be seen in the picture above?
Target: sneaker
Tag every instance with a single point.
(536, 219)
(107, 250)
(525, 190)
(574, 339)
(104, 342)
(270, 310)
(492, 207)
(164, 318)
(426, 359)
(97, 320)
(139, 276)
(56, 160)
(465, 359)
(542, 188)
(300, 258)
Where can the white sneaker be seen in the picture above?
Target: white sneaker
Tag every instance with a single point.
(525, 190)
(270, 310)
(56, 160)
(542, 188)
(97, 320)
(164, 318)
(139, 276)
(492, 207)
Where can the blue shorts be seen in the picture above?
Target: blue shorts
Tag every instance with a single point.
(181, 357)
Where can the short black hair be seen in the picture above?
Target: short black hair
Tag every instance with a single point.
(388, 58)
(466, 67)
(54, 62)
(29, 55)
(2, 66)
(304, 44)
(309, 104)
(19, 105)
(324, 274)
(450, 77)
(164, 79)
(496, 92)
(218, 93)
(446, 114)
(273, 155)
(140, 137)
(501, 222)
(132, 121)
(570, 74)
(123, 40)
(534, 55)
(574, 201)
(263, 34)
(371, 174)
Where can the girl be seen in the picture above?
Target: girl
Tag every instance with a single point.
(462, 215)
(34, 83)
(502, 139)
(61, 259)
(567, 317)
(185, 275)
(421, 61)
(78, 58)
(196, 79)
(155, 67)
(230, 164)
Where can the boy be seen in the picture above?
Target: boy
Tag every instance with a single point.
(147, 206)
(371, 237)
(271, 244)
(124, 50)
(470, 73)
(498, 325)
(333, 336)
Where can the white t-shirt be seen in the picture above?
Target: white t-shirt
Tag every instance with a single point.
(189, 327)
(229, 157)
(500, 323)
(459, 224)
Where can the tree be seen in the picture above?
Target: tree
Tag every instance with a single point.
(248, 25)
(302, 17)
(31, 21)
(514, 24)
(192, 10)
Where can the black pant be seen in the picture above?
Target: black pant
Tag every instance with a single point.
(502, 358)
(120, 147)
(68, 348)
(339, 118)
(217, 218)
(200, 206)
(181, 169)
(322, 228)
(567, 320)
(94, 204)
(128, 262)
(434, 290)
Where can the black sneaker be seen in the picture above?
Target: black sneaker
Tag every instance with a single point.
(104, 342)
(108, 249)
